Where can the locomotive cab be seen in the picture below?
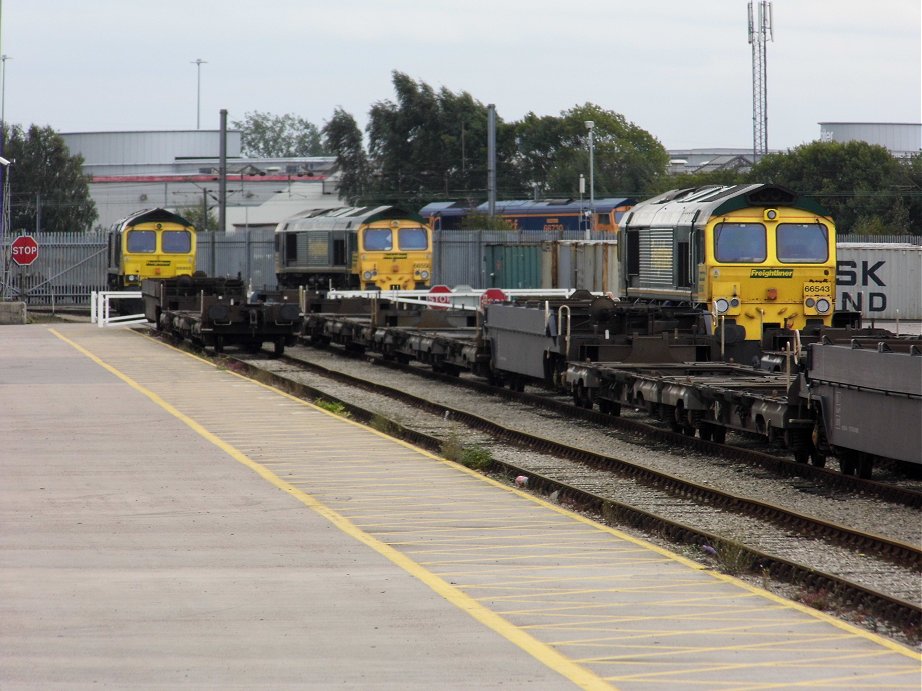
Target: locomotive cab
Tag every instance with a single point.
(758, 258)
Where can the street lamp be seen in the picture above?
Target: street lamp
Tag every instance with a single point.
(590, 125)
(198, 62)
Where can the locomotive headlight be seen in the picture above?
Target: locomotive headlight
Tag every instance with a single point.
(721, 305)
(424, 274)
(823, 305)
(810, 302)
(368, 275)
(734, 302)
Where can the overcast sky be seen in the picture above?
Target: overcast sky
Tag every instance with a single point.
(680, 70)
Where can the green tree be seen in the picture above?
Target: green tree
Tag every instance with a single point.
(48, 188)
(195, 214)
(264, 135)
(861, 184)
(344, 139)
(553, 152)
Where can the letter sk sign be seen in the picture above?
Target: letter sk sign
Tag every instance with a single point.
(24, 250)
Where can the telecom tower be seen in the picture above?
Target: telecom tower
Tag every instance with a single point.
(760, 31)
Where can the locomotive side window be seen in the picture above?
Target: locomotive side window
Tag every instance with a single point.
(378, 239)
(176, 241)
(141, 241)
(739, 242)
(413, 239)
(802, 243)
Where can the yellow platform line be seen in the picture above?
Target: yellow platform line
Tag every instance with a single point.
(542, 652)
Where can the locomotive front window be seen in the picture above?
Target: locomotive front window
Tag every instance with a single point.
(141, 241)
(176, 241)
(739, 242)
(802, 243)
(378, 239)
(413, 239)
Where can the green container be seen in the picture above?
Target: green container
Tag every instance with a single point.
(514, 266)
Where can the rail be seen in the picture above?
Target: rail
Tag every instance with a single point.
(101, 308)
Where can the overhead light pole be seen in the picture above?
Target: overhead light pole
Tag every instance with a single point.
(590, 125)
(198, 62)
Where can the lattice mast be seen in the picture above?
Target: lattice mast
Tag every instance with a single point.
(761, 30)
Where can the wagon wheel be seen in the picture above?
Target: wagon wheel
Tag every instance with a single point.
(719, 435)
(848, 461)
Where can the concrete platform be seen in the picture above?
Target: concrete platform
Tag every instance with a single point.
(166, 523)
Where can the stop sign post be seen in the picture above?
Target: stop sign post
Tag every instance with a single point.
(24, 250)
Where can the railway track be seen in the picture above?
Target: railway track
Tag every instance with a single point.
(667, 505)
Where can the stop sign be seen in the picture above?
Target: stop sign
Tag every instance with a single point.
(439, 297)
(491, 295)
(24, 250)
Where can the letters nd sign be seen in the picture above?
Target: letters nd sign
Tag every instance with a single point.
(24, 250)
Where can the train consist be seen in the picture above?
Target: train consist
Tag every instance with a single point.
(368, 248)
(610, 356)
(547, 216)
(152, 243)
(216, 312)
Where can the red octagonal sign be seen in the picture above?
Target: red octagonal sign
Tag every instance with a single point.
(24, 250)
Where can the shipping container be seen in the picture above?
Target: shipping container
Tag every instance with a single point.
(589, 265)
(517, 266)
(881, 281)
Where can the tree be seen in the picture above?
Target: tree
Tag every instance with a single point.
(278, 136)
(344, 139)
(48, 188)
(860, 184)
(627, 160)
(428, 145)
(195, 215)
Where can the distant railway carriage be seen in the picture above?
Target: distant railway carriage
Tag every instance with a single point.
(544, 216)
(153, 243)
(369, 248)
(760, 259)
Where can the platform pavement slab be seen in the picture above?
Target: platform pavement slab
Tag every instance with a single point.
(134, 555)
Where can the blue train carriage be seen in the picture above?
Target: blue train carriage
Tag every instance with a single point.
(350, 248)
(152, 243)
(548, 216)
(758, 259)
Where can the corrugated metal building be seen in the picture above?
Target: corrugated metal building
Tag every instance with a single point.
(901, 138)
(178, 170)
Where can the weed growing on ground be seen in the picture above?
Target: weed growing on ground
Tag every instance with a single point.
(473, 457)
(334, 407)
(733, 559)
(817, 599)
(476, 457)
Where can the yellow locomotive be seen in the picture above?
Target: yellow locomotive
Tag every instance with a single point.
(153, 243)
(367, 248)
(759, 259)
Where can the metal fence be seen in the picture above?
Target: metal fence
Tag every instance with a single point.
(70, 266)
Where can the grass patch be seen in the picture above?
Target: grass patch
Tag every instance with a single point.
(473, 456)
(334, 407)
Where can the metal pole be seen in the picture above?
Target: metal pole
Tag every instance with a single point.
(198, 62)
(590, 125)
(222, 174)
(491, 160)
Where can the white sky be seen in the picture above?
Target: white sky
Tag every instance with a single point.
(681, 70)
